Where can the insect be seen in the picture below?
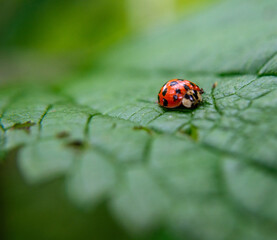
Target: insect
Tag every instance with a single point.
(177, 92)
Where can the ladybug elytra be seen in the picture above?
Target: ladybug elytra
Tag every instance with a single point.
(177, 92)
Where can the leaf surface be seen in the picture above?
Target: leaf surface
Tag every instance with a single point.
(207, 173)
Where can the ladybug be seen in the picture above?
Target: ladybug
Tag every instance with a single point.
(177, 92)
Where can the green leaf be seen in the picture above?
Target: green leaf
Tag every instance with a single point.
(207, 173)
(44, 160)
(92, 178)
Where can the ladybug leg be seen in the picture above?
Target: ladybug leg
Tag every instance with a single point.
(201, 91)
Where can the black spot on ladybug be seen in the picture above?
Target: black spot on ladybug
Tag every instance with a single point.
(165, 102)
(173, 83)
(192, 84)
(195, 94)
(186, 87)
(164, 91)
(178, 90)
(175, 98)
(186, 96)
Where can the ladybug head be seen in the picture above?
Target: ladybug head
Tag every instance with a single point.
(191, 98)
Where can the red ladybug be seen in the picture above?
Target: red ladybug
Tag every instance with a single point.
(177, 92)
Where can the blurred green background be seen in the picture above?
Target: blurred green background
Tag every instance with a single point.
(47, 40)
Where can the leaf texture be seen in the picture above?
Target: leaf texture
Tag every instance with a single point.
(207, 173)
